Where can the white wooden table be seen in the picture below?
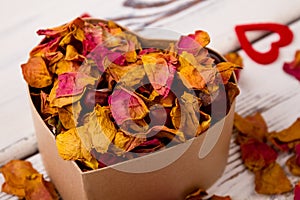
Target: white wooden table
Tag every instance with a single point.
(263, 88)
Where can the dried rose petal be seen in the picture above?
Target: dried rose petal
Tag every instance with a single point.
(159, 72)
(37, 188)
(75, 27)
(35, 72)
(193, 42)
(225, 69)
(70, 146)
(257, 155)
(192, 74)
(22, 180)
(235, 58)
(201, 37)
(287, 138)
(251, 127)
(98, 131)
(93, 36)
(293, 68)
(126, 105)
(73, 83)
(293, 166)
(297, 192)
(272, 180)
(46, 46)
(293, 163)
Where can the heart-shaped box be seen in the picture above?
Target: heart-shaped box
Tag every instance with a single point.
(171, 173)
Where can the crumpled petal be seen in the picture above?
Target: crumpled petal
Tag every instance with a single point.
(98, 130)
(286, 139)
(293, 163)
(22, 180)
(225, 69)
(46, 46)
(35, 72)
(201, 37)
(234, 57)
(37, 188)
(72, 54)
(272, 180)
(64, 66)
(46, 109)
(15, 173)
(159, 73)
(75, 26)
(253, 126)
(127, 142)
(293, 68)
(73, 83)
(193, 42)
(123, 73)
(192, 74)
(61, 101)
(93, 36)
(187, 117)
(126, 105)
(257, 155)
(70, 147)
(233, 91)
(69, 114)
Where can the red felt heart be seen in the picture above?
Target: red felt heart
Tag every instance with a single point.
(285, 38)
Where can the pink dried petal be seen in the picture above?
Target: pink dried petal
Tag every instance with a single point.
(126, 105)
(72, 83)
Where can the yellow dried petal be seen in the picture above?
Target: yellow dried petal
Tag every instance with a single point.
(69, 146)
(69, 114)
(272, 180)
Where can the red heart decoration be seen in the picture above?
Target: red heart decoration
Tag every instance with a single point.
(285, 38)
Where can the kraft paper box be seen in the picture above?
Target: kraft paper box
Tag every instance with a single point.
(169, 174)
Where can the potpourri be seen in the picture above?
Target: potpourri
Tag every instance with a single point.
(107, 99)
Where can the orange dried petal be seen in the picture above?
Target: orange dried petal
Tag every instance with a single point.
(287, 138)
(22, 180)
(37, 188)
(35, 72)
(251, 126)
(293, 166)
(225, 69)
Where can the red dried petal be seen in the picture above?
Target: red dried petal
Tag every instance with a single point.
(293, 68)
(297, 192)
(257, 155)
